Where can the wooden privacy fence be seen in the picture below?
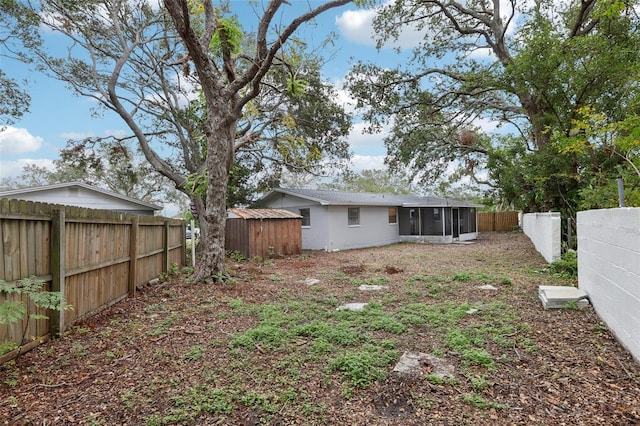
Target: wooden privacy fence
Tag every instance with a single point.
(94, 257)
(497, 221)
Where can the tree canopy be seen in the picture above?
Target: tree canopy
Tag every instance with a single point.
(205, 101)
(372, 180)
(18, 35)
(108, 164)
(537, 69)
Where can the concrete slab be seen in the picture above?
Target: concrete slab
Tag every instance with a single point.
(351, 307)
(487, 287)
(369, 287)
(559, 297)
(418, 363)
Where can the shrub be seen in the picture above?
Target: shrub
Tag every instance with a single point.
(13, 311)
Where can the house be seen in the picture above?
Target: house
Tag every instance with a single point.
(82, 195)
(333, 220)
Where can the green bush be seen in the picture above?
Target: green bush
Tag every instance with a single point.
(567, 266)
(13, 311)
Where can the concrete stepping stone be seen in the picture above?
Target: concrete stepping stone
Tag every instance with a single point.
(558, 297)
(310, 281)
(419, 363)
(487, 287)
(370, 287)
(351, 307)
(478, 309)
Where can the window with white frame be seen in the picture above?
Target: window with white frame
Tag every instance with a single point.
(354, 216)
(306, 217)
(393, 215)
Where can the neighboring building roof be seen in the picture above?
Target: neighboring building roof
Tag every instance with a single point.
(262, 214)
(328, 197)
(31, 194)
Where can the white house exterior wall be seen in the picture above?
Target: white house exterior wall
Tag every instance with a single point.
(374, 228)
(314, 237)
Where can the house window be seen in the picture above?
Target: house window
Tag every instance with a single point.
(436, 215)
(306, 217)
(354, 216)
(393, 215)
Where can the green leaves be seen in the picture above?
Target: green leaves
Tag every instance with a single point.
(228, 37)
(12, 311)
(563, 85)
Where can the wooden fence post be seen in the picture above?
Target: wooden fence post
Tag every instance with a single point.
(165, 247)
(133, 256)
(184, 243)
(58, 250)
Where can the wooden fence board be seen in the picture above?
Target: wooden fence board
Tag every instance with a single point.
(90, 258)
(497, 221)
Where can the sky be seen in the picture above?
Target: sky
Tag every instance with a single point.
(56, 115)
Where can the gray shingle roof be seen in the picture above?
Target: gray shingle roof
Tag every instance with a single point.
(328, 197)
(17, 192)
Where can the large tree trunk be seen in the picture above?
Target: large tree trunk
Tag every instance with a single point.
(220, 134)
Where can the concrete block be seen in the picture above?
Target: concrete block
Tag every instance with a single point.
(352, 307)
(557, 297)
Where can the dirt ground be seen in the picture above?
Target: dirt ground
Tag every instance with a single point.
(255, 351)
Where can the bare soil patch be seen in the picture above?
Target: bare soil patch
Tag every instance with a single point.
(269, 349)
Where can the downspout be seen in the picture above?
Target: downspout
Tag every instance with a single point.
(444, 222)
(420, 221)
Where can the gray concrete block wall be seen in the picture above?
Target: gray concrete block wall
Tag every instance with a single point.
(609, 269)
(545, 232)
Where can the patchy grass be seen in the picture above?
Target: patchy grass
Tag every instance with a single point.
(270, 350)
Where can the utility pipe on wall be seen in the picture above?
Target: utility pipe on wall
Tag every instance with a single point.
(621, 192)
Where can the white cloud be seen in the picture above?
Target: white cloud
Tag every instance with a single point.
(116, 133)
(487, 125)
(360, 141)
(367, 162)
(18, 141)
(344, 98)
(76, 135)
(357, 26)
(14, 168)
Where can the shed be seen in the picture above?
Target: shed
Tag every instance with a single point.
(263, 232)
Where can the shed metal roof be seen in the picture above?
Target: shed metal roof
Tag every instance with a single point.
(263, 214)
(328, 197)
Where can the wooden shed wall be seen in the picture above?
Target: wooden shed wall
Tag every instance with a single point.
(264, 237)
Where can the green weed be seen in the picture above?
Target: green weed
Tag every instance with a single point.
(7, 346)
(194, 353)
(567, 266)
(195, 401)
(434, 379)
(363, 367)
(478, 401)
(267, 336)
(480, 383)
(464, 277)
(162, 327)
